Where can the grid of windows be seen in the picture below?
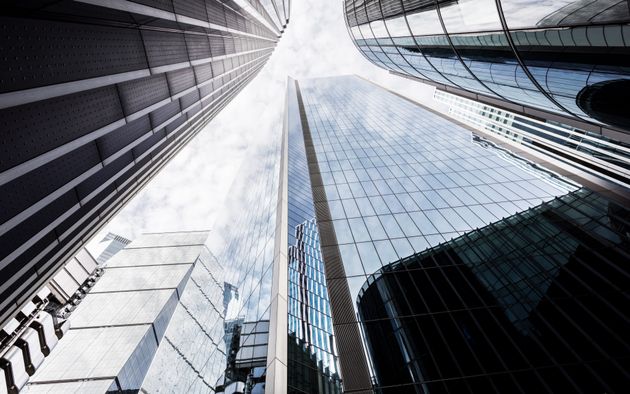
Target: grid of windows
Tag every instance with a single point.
(396, 179)
(312, 354)
(564, 57)
(605, 158)
(533, 303)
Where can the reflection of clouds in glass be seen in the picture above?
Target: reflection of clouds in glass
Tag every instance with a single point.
(243, 236)
(471, 15)
(403, 157)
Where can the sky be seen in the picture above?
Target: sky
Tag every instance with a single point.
(190, 191)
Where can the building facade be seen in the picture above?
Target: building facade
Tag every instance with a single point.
(145, 304)
(557, 59)
(587, 157)
(386, 185)
(96, 97)
(532, 303)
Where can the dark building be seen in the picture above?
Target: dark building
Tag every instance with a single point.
(536, 302)
(563, 60)
(95, 98)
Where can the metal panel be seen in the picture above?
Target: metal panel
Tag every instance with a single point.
(189, 99)
(123, 136)
(198, 46)
(164, 113)
(180, 80)
(23, 192)
(32, 129)
(192, 8)
(141, 93)
(31, 226)
(164, 47)
(69, 51)
(215, 12)
(166, 5)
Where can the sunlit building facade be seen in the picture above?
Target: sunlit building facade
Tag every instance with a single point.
(533, 303)
(587, 157)
(96, 97)
(390, 178)
(556, 59)
(153, 322)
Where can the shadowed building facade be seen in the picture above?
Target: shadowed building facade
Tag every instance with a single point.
(95, 98)
(561, 60)
(536, 302)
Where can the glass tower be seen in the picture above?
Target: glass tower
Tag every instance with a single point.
(561, 58)
(533, 303)
(390, 178)
(96, 97)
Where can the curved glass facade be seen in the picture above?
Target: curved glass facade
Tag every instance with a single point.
(533, 303)
(565, 57)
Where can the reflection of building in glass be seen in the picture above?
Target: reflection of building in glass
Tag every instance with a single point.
(244, 240)
(247, 357)
(389, 178)
(559, 59)
(596, 158)
(536, 302)
(144, 322)
(96, 97)
(115, 243)
(310, 323)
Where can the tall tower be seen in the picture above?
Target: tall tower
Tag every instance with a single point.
(96, 97)
(562, 60)
(390, 178)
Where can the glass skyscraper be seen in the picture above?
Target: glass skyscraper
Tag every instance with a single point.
(96, 97)
(561, 59)
(390, 178)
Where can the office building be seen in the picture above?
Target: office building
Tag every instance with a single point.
(96, 97)
(31, 336)
(390, 178)
(152, 321)
(561, 60)
(532, 303)
(590, 158)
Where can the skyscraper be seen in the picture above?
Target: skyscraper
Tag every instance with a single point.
(390, 178)
(96, 97)
(562, 60)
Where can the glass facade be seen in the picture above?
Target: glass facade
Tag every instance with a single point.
(536, 302)
(244, 241)
(564, 57)
(390, 178)
(311, 340)
(579, 150)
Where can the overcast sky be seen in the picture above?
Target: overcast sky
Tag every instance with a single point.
(190, 190)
